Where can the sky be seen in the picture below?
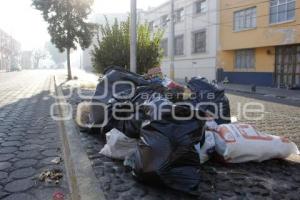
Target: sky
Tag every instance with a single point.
(25, 24)
(121, 6)
(19, 19)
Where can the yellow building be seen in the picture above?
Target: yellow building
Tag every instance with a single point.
(260, 42)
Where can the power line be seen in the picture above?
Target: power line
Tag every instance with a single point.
(255, 28)
(216, 10)
(228, 23)
(231, 25)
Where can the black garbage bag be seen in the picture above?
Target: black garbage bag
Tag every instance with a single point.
(166, 153)
(104, 90)
(130, 122)
(133, 119)
(104, 93)
(209, 93)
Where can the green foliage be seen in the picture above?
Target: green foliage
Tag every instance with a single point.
(67, 23)
(66, 19)
(113, 47)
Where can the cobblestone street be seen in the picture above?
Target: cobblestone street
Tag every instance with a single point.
(278, 119)
(275, 179)
(29, 138)
(150, 100)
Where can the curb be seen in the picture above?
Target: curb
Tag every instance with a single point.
(243, 91)
(82, 180)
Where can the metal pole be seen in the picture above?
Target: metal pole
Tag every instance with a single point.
(133, 37)
(172, 41)
(80, 64)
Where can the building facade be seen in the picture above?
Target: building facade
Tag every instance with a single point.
(196, 37)
(9, 52)
(260, 42)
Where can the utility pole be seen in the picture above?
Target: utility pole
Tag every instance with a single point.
(80, 65)
(133, 37)
(172, 41)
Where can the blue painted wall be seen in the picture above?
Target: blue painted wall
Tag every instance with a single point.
(248, 78)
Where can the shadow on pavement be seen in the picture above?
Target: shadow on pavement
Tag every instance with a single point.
(29, 140)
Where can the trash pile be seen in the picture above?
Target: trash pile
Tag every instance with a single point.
(163, 131)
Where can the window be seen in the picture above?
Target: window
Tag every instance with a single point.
(245, 19)
(164, 46)
(179, 15)
(151, 26)
(200, 6)
(164, 21)
(282, 10)
(199, 41)
(245, 59)
(179, 45)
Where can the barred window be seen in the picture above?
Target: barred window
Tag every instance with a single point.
(282, 10)
(199, 41)
(245, 19)
(151, 26)
(164, 20)
(200, 6)
(245, 59)
(179, 45)
(179, 15)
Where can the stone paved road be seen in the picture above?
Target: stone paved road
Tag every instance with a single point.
(279, 119)
(29, 138)
(275, 179)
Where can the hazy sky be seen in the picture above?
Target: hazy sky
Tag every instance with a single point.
(26, 24)
(107, 6)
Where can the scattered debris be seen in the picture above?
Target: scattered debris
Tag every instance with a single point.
(208, 148)
(58, 196)
(50, 176)
(118, 145)
(56, 160)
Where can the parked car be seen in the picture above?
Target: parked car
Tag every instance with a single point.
(15, 68)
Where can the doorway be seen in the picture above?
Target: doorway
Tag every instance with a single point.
(287, 66)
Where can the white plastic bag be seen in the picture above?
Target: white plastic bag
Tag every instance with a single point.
(207, 148)
(238, 143)
(118, 145)
(211, 125)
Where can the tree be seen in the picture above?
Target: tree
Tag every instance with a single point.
(38, 55)
(58, 57)
(113, 47)
(67, 24)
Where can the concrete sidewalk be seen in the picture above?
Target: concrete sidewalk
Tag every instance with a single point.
(265, 91)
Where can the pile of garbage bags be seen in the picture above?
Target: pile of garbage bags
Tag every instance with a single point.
(163, 131)
(147, 112)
